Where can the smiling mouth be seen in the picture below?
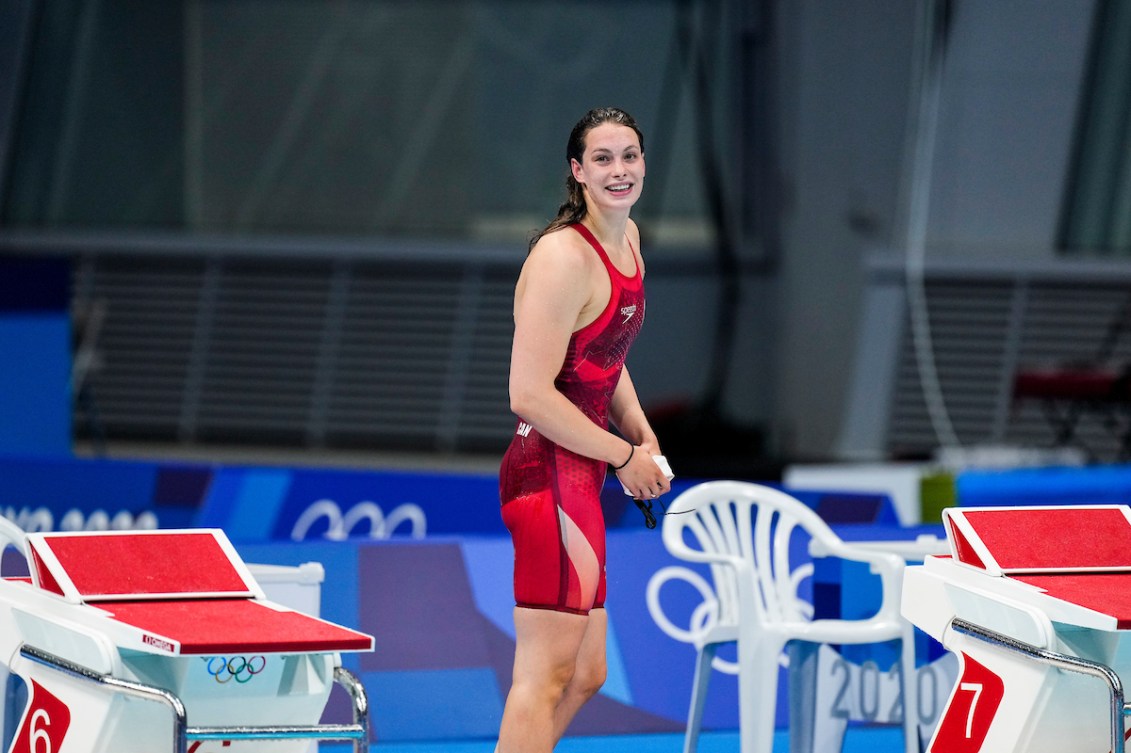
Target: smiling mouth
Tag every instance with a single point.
(620, 188)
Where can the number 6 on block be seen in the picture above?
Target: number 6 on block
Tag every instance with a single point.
(44, 724)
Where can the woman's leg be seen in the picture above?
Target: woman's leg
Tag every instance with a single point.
(547, 646)
(589, 672)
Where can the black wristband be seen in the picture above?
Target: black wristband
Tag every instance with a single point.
(630, 454)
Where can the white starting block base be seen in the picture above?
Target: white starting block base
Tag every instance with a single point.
(1036, 605)
(295, 587)
(133, 642)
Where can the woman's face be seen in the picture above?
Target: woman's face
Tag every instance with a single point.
(612, 167)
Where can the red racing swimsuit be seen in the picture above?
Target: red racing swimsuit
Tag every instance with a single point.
(550, 496)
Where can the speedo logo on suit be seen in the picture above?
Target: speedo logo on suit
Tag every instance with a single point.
(627, 312)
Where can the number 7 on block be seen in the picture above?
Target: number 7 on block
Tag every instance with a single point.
(976, 689)
(971, 710)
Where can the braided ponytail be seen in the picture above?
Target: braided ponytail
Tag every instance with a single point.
(573, 209)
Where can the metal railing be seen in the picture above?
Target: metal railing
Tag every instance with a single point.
(1117, 708)
(358, 732)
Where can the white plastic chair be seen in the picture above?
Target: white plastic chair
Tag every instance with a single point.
(742, 531)
(14, 536)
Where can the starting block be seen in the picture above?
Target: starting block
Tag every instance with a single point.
(146, 641)
(1036, 604)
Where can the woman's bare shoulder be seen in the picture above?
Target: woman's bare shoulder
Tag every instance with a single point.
(556, 277)
(561, 250)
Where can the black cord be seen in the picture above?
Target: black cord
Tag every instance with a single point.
(650, 516)
(646, 508)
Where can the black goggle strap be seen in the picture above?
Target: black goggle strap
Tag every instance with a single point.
(645, 506)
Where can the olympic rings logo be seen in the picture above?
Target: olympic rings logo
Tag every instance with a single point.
(238, 668)
(34, 520)
(340, 525)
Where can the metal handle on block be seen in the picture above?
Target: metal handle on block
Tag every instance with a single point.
(1117, 708)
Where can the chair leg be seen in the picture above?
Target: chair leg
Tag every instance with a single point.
(757, 694)
(698, 696)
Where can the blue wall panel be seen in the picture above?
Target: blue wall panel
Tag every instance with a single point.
(35, 355)
(35, 392)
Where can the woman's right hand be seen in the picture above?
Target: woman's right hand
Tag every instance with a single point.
(642, 476)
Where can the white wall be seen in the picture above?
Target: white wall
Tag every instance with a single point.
(846, 76)
(1008, 106)
(1005, 129)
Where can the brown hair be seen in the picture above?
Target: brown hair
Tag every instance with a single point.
(573, 208)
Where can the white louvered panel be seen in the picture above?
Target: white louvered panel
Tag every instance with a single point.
(1065, 324)
(969, 329)
(970, 335)
(484, 417)
(405, 349)
(982, 332)
(262, 347)
(144, 343)
(393, 356)
(302, 352)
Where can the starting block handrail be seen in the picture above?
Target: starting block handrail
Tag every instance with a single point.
(1117, 708)
(358, 732)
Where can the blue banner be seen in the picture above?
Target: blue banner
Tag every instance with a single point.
(62, 493)
(259, 504)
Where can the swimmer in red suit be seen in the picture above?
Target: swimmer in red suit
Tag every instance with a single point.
(579, 304)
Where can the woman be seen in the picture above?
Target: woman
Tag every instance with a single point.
(579, 303)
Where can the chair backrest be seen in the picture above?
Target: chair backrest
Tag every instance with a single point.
(750, 526)
(14, 536)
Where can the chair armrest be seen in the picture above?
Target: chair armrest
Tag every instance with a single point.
(879, 559)
(910, 550)
(679, 550)
(887, 565)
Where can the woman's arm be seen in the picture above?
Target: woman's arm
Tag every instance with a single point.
(625, 412)
(642, 479)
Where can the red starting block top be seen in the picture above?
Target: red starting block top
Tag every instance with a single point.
(1106, 593)
(218, 626)
(1048, 539)
(115, 565)
(177, 592)
(1078, 555)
